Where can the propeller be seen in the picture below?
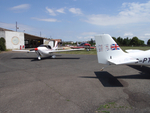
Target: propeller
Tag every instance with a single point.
(35, 49)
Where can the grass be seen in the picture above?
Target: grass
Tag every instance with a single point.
(82, 52)
(6, 50)
(105, 108)
(93, 52)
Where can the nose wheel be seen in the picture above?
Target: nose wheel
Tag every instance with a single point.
(39, 58)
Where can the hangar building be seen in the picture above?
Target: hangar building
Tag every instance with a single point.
(20, 40)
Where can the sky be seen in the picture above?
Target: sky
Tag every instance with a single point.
(77, 20)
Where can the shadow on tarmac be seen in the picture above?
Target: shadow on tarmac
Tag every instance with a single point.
(144, 73)
(143, 69)
(109, 80)
(106, 79)
(44, 58)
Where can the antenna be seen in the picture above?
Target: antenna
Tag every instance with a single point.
(16, 27)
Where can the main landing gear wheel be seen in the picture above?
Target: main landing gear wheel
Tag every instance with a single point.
(53, 56)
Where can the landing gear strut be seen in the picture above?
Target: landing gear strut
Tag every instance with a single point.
(105, 66)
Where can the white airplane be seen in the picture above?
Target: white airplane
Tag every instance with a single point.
(46, 50)
(108, 52)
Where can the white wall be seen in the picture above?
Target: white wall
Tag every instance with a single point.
(2, 34)
(14, 39)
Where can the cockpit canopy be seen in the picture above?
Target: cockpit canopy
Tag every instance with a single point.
(47, 46)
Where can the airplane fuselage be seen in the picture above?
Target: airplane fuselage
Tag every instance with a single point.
(143, 57)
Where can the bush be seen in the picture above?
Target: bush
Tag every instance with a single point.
(2, 44)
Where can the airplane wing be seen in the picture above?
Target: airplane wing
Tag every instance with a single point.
(133, 50)
(66, 50)
(123, 60)
(28, 51)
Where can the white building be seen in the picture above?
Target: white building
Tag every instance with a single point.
(19, 40)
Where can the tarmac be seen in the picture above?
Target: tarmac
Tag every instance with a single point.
(71, 84)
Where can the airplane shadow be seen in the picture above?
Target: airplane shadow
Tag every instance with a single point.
(143, 74)
(45, 58)
(109, 80)
(106, 79)
(143, 69)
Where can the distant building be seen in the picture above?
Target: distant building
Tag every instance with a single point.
(21, 40)
(69, 42)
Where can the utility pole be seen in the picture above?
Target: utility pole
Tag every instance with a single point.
(16, 27)
(40, 33)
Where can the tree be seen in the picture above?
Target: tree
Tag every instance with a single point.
(115, 39)
(141, 42)
(91, 42)
(120, 41)
(126, 41)
(148, 42)
(2, 44)
(134, 41)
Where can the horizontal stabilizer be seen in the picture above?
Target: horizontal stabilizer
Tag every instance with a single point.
(123, 60)
(133, 50)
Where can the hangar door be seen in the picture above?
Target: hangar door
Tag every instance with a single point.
(32, 41)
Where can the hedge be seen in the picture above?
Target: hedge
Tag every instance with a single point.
(2, 44)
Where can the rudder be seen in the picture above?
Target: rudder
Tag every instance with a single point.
(106, 48)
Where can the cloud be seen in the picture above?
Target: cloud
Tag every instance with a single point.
(147, 34)
(61, 10)
(131, 13)
(46, 20)
(75, 10)
(20, 8)
(89, 33)
(87, 38)
(128, 34)
(50, 11)
(54, 12)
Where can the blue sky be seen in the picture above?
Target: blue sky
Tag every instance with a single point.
(77, 20)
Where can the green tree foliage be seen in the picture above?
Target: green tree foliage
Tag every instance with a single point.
(148, 42)
(115, 39)
(134, 41)
(126, 41)
(141, 43)
(120, 41)
(2, 44)
(91, 42)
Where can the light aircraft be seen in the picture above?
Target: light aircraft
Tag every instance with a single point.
(46, 50)
(108, 52)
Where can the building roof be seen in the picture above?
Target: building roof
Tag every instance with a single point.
(29, 36)
(59, 40)
(3, 29)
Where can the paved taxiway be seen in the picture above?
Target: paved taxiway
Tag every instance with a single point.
(70, 84)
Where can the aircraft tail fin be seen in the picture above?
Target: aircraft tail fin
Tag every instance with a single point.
(56, 45)
(108, 51)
